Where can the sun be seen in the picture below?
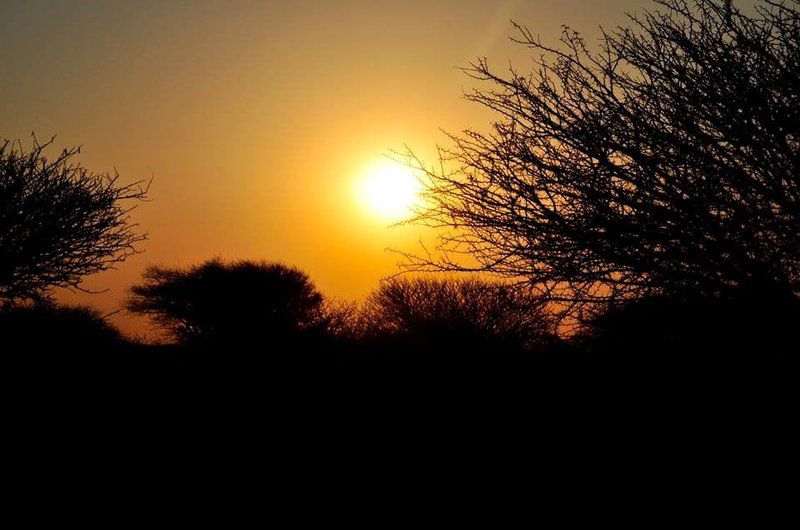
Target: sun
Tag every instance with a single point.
(388, 190)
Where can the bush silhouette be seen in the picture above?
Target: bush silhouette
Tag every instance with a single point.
(46, 333)
(229, 304)
(747, 328)
(451, 320)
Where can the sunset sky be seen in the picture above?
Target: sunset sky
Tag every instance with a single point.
(261, 122)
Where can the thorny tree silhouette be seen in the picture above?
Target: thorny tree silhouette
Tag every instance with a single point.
(59, 221)
(666, 161)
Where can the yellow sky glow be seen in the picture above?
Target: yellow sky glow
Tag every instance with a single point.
(264, 124)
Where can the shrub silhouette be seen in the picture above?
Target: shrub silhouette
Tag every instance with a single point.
(58, 221)
(48, 333)
(455, 320)
(693, 331)
(229, 304)
(342, 321)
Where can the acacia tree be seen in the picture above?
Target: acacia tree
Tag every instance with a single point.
(664, 160)
(221, 303)
(59, 221)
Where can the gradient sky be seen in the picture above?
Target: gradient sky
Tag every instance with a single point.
(255, 117)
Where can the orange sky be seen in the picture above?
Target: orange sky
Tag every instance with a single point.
(256, 118)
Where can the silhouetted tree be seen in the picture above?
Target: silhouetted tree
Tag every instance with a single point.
(665, 160)
(456, 318)
(217, 303)
(58, 221)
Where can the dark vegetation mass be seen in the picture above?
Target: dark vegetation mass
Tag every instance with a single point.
(637, 208)
(258, 319)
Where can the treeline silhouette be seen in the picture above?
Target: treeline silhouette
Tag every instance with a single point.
(230, 323)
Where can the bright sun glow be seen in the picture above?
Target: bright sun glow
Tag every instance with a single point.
(388, 190)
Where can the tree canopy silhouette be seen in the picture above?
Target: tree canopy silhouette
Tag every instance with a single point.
(457, 316)
(217, 302)
(665, 160)
(59, 221)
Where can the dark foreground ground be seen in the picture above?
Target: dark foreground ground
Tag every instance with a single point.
(645, 419)
(364, 435)
(182, 381)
